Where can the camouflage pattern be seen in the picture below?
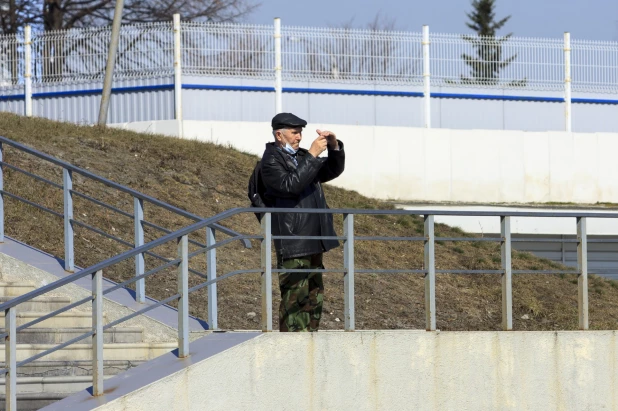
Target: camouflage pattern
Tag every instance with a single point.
(302, 295)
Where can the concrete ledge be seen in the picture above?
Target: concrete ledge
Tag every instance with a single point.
(154, 371)
(377, 370)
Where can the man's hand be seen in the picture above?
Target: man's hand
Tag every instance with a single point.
(333, 144)
(318, 146)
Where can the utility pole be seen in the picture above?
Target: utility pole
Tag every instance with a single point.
(111, 59)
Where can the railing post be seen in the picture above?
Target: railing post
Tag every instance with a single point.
(138, 218)
(507, 281)
(97, 337)
(567, 81)
(10, 359)
(27, 71)
(211, 271)
(183, 301)
(178, 74)
(278, 68)
(430, 275)
(69, 256)
(1, 194)
(426, 77)
(267, 292)
(582, 278)
(348, 264)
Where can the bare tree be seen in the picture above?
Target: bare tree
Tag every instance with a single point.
(67, 14)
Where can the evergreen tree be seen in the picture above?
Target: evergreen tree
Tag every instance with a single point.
(488, 62)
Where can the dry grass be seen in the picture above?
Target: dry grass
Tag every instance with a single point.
(206, 179)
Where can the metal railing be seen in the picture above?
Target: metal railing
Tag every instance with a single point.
(181, 239)
(70, 221)
(312, 54)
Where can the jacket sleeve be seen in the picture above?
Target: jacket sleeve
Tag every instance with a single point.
(334, 165)
(289, 183)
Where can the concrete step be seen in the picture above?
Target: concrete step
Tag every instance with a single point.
(15, 289)
(81, 352)
(68, 384)
(40, 304)
(60, 335)
(67, 319)
(73, 368)
(34, 401)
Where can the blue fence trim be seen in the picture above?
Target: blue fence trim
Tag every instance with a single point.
(13, 97)
(382, 93)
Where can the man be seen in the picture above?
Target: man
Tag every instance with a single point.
(293, 177)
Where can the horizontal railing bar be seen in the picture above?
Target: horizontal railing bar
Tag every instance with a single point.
(191, 270)
(229, 232)
(117, 186)
(142, 311)
(234, 211)
(382, 238)
(222, 243)
(308, 237)
(308, 270)
(103, 233)
(222, 277)
(544, 240)
(56, 348)
(369, 271)
(544, 272)
(166, 231)
(100, 179)
(602, 240)
(29, 174)
(139, 277)
(470, 271)
(102, 204)
(40, 207)
(427, 212)
(471, 239)
(222, 229)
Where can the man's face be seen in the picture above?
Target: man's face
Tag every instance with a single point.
(293, 136)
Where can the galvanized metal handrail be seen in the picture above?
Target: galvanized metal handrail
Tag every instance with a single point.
(109, 183)
(181, 236)
(67, 214)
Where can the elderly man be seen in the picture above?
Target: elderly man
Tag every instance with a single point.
(293, 178)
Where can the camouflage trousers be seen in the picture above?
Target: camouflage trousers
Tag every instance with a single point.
(302, 294)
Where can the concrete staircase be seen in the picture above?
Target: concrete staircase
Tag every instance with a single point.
(69, 370)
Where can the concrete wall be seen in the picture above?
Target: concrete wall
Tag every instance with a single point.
(416, 164)
(395, 370)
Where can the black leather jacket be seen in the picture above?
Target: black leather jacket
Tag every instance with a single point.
(299, 186)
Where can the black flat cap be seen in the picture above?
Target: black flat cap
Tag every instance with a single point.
(287, 120)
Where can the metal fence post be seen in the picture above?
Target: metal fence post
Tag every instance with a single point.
(267, 292)
(348, 279)
(1, 194)
(183, 301)
(97, 337)
(582, 278)
(430, 275)
(178, 75)
(211, 271)
(69, 256)
(507, 280)
(10, 359)
(278, 68)
(138, 218)
(28, 71)
(426, 77)
(567, 81)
